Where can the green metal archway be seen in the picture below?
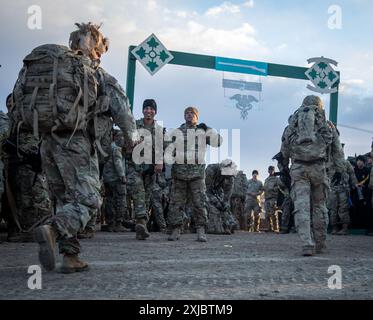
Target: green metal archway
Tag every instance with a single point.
(210, 62)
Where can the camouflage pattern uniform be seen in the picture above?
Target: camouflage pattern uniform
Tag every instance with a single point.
(72, 169)
(219, 189)
(338, 200)
(135, 188)
(238, 199)
(252, 204)
(150, 178)
(286, 207)
(271, 190)
(188, 180)
(158, 199)
(311, 141)
(29, 188)
(115, 189)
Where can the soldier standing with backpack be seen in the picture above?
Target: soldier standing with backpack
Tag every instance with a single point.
(58, 94)
(312, 143)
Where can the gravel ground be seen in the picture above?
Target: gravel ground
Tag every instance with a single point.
(240, 266)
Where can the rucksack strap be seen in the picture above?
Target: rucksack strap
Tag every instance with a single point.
(53, 90)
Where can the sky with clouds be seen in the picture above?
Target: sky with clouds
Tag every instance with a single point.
(284, 32)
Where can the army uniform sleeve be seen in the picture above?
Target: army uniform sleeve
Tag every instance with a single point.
(214, 139)
(118, 162)
(285, 147)
(337, 151)
(370, 186)
(261, 188)
(228, 188)
(4, 126)
(120, 109)
(351, 173)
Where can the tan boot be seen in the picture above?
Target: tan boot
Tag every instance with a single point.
(343, 231)
(46, 237)
(175, 234)
(72, 263)
(201, 235)
(141, 231)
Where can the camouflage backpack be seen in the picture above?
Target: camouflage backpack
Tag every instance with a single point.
(55, 91)
(309, 134)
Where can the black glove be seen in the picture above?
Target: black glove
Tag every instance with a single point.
(337, 178)
(202, 126)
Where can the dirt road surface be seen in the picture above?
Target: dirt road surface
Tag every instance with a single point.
(240, 266)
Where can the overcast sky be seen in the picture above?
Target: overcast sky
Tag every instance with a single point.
(285, 32)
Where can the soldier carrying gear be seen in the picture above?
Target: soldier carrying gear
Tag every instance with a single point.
(311, 151)
(62, 93)
(219, 187)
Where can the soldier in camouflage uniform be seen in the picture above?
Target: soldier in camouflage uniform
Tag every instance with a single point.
(271, 189)
(311, 142)
(115, 186)
(71, 164)
(219, 186)
(338, 199)
(252, 210)
(188, 173)
(151, 165)
(238, 199)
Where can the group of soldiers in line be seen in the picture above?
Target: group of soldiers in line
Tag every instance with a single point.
(62, 158)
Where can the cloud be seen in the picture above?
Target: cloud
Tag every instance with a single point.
(225, 7)
(249, 4)
(239, 42)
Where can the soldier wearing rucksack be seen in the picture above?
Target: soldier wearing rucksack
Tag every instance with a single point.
(312, 143)
(58, 96)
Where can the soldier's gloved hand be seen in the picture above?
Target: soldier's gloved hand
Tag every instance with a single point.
(124, 180)
(203, 126)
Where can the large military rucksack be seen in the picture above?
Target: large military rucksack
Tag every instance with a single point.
(309, 134)
(55, 92)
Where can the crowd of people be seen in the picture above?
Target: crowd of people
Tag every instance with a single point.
(75, 161)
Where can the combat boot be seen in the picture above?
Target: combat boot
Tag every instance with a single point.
(108, 227)
(308, 251)
(343, 231)
(334, 231)
(175, 234)
(119, 228)
(320, 248)
(86, 234)
(227, 230)
(46, 237)
(201, 235)
(71, 263)
(141, 231)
